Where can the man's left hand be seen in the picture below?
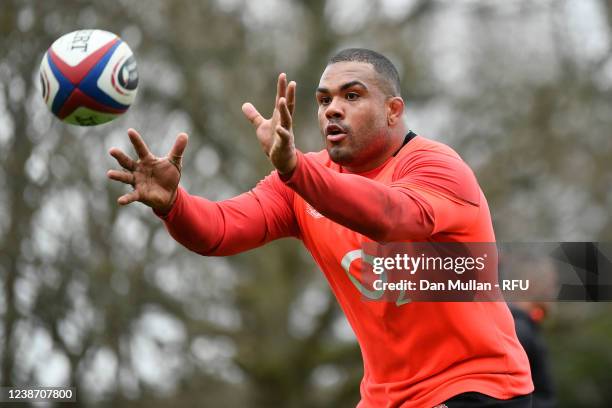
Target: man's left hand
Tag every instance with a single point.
(275, 134)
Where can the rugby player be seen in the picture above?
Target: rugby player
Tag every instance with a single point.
(375, 181)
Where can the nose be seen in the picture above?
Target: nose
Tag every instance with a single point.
(334, 109)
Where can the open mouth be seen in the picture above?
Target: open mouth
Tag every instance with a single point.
(335, 132)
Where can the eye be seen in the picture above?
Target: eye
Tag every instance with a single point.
(352, 96)
(324, 100)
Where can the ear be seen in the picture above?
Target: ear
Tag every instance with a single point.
(395, 110)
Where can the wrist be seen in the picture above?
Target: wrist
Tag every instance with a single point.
(287, 169)
(289, 174)
(165, 210)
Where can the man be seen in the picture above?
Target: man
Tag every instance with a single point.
(528, 316)
(530, 313)
(375, 181)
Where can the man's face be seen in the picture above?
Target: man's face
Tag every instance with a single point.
(353, 114)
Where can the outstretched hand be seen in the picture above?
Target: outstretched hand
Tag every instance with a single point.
(275, 134)
(154, 179)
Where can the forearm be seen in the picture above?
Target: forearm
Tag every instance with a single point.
(235, 225)
(219, 229)
(378, 211)
(196, 223)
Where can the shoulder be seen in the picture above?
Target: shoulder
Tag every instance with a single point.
(422, 150)
(436, 165)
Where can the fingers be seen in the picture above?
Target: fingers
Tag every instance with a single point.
(175, 155)
(285, 114)
(286, 91)
(285, 135)
(283, 91)
(139, 145)
(122, 176)
(252, 114)
(281, 87)
(128, 198)
(291, 96)
(123, 159)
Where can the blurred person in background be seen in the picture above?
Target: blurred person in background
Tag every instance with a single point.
(529, 314)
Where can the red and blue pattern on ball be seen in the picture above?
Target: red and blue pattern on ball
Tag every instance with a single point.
(78, 85)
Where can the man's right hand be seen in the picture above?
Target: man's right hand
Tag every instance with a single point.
(155, 179)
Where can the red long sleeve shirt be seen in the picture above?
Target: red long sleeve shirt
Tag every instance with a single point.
(417, 354)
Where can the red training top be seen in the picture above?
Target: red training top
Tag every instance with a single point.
(417, 354)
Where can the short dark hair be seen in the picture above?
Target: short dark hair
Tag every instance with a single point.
(381, 64)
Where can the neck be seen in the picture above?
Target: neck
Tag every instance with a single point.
(396, 139)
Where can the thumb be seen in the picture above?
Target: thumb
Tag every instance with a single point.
(176, 152)
(252, 114)
(175, 155)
